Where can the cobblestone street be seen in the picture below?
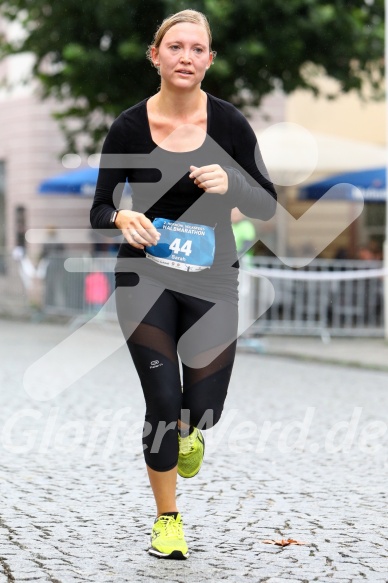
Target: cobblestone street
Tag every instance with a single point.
(300, 452)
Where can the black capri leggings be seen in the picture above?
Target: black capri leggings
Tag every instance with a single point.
(158, 324)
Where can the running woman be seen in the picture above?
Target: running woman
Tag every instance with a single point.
(190, 158)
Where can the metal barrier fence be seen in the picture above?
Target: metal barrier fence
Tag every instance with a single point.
(79, 293)
(353, 307)
(14, 300)
(336, 307)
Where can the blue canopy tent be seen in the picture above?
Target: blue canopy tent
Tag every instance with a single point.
(371, 183)
(80, 182)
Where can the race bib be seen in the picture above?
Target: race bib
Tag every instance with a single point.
(185, 246)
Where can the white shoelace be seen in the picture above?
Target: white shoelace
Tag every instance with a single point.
(187, 443)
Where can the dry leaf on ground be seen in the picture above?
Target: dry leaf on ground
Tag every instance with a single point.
(283, 542)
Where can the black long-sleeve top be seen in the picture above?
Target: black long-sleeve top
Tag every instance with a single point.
(162, 188)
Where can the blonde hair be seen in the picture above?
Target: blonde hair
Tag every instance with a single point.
(183, 16)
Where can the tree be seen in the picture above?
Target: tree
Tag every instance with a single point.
(90, 54)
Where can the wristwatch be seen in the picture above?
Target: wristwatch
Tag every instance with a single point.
(113, 218)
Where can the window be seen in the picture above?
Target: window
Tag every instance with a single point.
(374, 221)
(2, 205)
(20, 217)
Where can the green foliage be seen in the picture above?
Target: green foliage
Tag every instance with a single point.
(91, 54)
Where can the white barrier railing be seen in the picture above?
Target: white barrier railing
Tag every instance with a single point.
(335, 297)
(328, 297)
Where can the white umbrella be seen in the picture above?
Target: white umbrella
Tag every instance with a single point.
(292, 153)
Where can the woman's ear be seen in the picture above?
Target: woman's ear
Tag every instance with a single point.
(154, 56)
(210, 61)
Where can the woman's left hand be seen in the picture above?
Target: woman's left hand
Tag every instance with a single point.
(211, 178)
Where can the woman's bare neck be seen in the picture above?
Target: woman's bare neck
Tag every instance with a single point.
(182, 105)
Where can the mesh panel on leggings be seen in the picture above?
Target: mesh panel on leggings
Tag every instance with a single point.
(176, 323)
(156, 340)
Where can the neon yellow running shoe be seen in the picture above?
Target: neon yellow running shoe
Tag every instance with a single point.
(167, 537)
(191, 452)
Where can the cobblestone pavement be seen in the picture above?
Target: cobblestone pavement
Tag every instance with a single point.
(300, 453)
(360, 352)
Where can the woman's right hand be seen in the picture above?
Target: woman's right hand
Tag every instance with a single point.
(137, 229)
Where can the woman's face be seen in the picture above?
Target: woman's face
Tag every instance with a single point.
(183, 55)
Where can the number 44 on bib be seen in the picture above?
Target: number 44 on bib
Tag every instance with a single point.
(185, 246)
